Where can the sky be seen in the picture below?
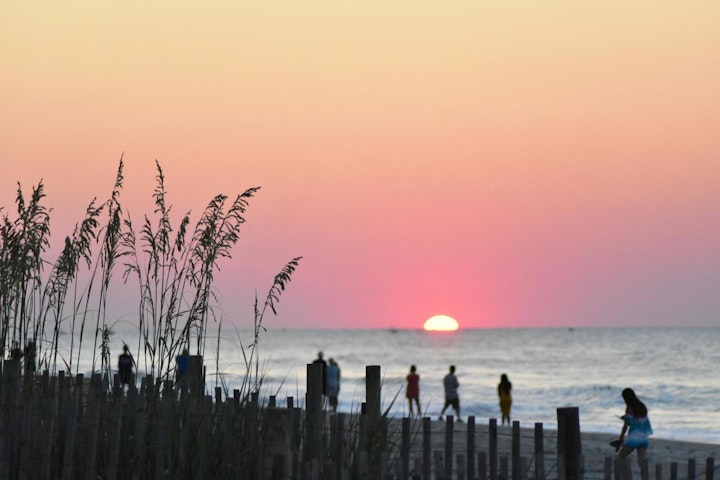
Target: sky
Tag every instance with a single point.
(509, 164)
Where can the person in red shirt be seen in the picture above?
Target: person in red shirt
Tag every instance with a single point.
(413, 390)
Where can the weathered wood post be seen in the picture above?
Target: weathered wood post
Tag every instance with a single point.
(338, 445)
(608, 468)
(427, 446)
(25, 414)
(11, 381)
(49, 421)
(449, 421)
(71, 423)
(569, 446)
(539, 452)
(470, 450)
(644, 469)
(405, 448)
(313, 412)
(709, 468)
(504, 474)
(690, 469)
(439, 465)
(482, 466)
(515, 453)
(140, 410)
(95, 400)
(461, 464)
(113, 460)
(492, 450)
(372, 400)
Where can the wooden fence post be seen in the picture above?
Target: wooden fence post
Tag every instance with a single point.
(482, 466)
(95, 399)
(449, 421)
(470, 450)
(138, 451)
(515, 451)
(503, 468)
(540, 452)
(405, 448)
(690, 469)
(372, 400)
(461, 463)
(11, 386)
(608, 468)
(115, 436)
(71, 426)
(709, 468)
(313, 412)
(427, 449)
(439, 465)
(492, 450)
(50, 420)
(569, 445)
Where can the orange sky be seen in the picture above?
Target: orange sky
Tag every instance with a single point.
(510, 165)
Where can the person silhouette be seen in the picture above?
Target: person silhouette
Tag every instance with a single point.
(332, 384)
(125, 366)
(182, 364)
(504, 388)
(320, 361)
(636, 424)
(452, 398)
(413, 390)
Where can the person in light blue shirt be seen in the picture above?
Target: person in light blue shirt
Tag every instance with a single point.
(636, 424)
(332, 384)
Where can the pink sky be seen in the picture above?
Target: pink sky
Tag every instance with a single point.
(532, 164)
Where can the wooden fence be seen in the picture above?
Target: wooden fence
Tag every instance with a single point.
(61, 427)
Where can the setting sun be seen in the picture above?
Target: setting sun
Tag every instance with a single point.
(441, 323)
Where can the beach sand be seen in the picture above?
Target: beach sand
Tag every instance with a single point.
(595, 448)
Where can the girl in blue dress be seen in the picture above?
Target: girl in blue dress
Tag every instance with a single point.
(636, 425)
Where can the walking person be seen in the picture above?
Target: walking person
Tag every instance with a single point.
(505, 397)
(413, 390)
(452, 398)
(333, 383)
(636, 424)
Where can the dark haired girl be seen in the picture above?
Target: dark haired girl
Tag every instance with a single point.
(637, 426)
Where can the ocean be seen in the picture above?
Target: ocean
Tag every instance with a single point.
(673, 370)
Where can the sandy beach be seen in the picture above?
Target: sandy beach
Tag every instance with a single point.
(595, 448)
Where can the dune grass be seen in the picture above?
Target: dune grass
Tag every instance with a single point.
(172, 266)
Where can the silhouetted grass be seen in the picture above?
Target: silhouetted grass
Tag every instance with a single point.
(172, 266)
